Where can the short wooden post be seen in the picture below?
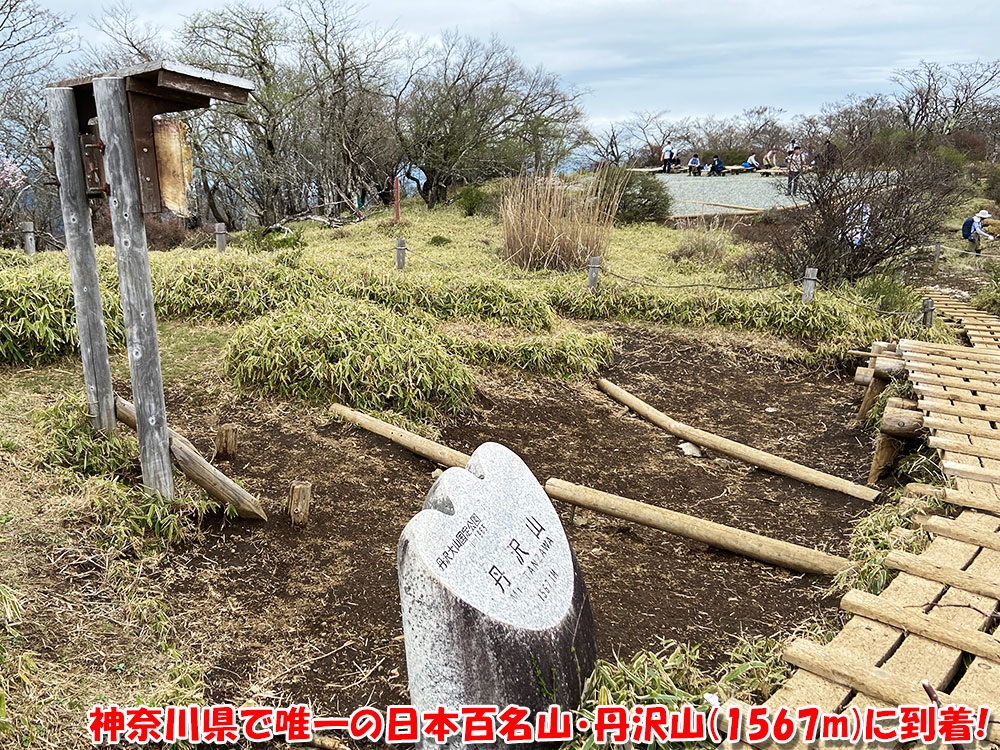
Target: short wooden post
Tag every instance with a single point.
(28, 231)
(395, 195)
(809, 285)
(221, 237)
(226, 442)
(136, 287)
(400, 253)
(299, 495)
(64, 127)
(937, 253)
(928, 313)
(593, 270)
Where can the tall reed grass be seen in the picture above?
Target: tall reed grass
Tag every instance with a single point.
(553, 225)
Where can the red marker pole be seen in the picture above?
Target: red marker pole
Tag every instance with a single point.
(396, 189)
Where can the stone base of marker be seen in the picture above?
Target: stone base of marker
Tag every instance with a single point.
(495, 609)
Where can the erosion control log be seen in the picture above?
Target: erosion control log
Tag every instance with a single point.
(737, 450)
(774, 551)
(201, 472)
(781, 553)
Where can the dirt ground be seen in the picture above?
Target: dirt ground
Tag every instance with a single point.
(312, 614)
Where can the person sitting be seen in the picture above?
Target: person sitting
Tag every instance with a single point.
(716, 168)
(751, 163)
(694, 166)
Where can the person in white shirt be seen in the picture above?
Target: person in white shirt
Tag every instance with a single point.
(751, 162)
(667, 155)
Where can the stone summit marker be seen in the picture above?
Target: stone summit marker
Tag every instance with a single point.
(495, 610)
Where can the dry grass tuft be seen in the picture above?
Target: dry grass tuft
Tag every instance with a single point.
(549, 224)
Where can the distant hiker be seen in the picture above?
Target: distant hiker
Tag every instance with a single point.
(716, 167)
(667, 156)
(831, 154)
(751, 163)
(770, 159)
(796, 163)
(972, 230)
(694, 166)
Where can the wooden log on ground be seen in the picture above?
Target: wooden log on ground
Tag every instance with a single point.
(913, 620)
(731, 448)
(952, 576)
(735, 540)
(198, 470)
(862, 677)
(226, 442)
(887, 450)
(775, 551)
(299, 497)
(951, 530)
(902, 423)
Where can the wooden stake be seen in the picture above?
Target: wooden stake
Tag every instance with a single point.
(400, 253)
(299, 496)
(872, 392)
(887, 450)
(64, 128)
(809, 285)
(736, 450)
(28, 232)
(951, 576)
(200, 471)
(774, 551)
(913, 620)
(593, 269)
(136, 286)
(226, 442)
(927, 313)
(221, 237)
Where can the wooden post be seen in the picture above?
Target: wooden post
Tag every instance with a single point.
(64, 127)
(809, 284)
(902, 423)
(400, 253)
(226, 442)
(937, 254)
(593, 269)
(299, 495)
(887, 450)
(221, 237)
(395, 191)
(28, 231)
(928, 313)
(136, 287)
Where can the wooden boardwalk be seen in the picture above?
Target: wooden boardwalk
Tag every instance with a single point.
(928, 623)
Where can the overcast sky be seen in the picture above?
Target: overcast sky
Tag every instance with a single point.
(699, 57)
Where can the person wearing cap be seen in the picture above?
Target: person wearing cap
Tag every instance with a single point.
(972, 230)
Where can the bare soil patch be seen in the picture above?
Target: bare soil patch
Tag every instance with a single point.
(281, 613)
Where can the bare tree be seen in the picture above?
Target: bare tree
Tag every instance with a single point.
(125, 41)
(936, 99)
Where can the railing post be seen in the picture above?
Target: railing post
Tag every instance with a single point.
(400, 253)
(928, 313)
(809, 285)
(937, 254)
(593, 269)
(221, 237)
(28, 230)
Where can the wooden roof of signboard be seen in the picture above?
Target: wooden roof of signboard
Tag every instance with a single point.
(175, 86)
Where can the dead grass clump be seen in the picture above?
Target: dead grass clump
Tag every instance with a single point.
(548, 224)
(702, 246)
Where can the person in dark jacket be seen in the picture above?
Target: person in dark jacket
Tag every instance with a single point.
(716, 167)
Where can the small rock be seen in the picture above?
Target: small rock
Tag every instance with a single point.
(727, 463)
(690, 449)
(771, 409)
(436, 473)
(579, 521)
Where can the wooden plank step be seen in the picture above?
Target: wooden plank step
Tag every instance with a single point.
(914, 565)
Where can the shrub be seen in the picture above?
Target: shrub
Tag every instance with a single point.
(439, 240)
(359, 354)
(567, 353)
(13, 259)
(703, 246)
(644, 198)
(227, 287)
(471, 200)
(256, 239)
(69, 442)
(993, 186)
(38, 317)
(548, 224)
